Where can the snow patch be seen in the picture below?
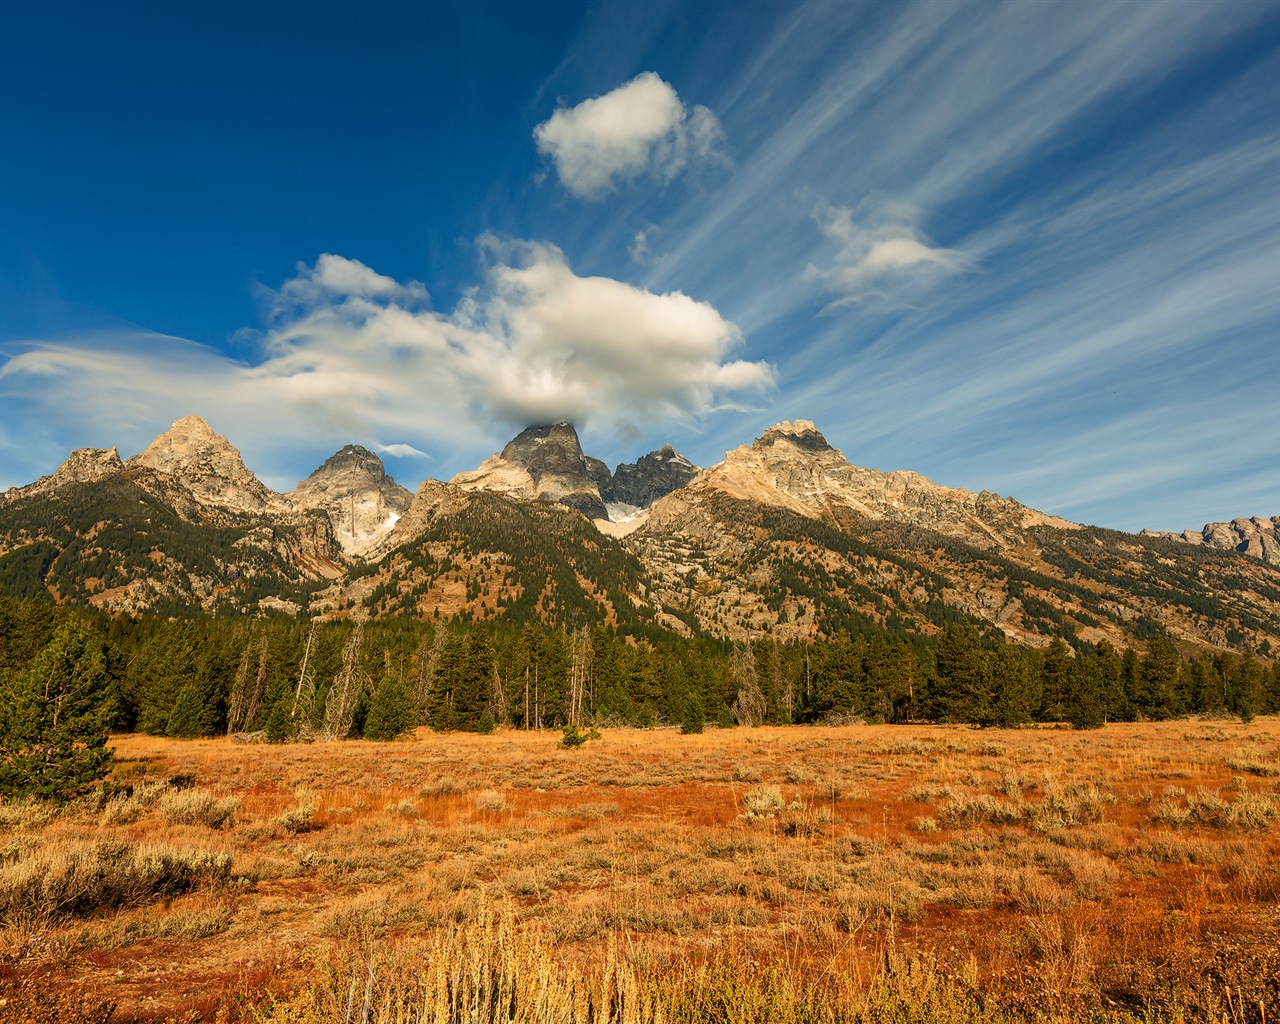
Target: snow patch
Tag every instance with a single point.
(621, 512)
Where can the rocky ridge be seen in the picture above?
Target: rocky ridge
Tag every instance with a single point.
(784, 538)
(639, 484)
(546, 463)
(82, 466)
(792, 466)
(1257, 537)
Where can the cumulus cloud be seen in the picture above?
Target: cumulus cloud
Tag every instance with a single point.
(640, 127)
(881, 255)
(336, 277)
(351, 354)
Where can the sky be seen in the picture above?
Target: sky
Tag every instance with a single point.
(1032, 248)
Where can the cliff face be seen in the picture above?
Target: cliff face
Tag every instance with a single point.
(362, 502)
(544, 463)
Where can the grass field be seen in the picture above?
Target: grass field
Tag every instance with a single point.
(782, 874)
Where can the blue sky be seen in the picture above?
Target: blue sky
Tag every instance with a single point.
(1033, 248)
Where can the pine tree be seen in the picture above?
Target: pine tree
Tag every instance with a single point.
(54, 720)
(1086, 708)
(391, 711)
(962, 692)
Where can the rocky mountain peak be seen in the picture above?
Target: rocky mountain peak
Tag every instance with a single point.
(82, 466)
(206, 463)
(352, 486)
(551, 448)
(350, 461)
(792, 466)
(651, 477)
(801, 434)
(547, 463)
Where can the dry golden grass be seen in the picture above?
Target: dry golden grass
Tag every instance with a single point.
(1015, 871)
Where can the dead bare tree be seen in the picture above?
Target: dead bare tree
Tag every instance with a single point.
(340, 704)
(748, 705)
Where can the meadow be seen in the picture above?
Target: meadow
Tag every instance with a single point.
(894, 873)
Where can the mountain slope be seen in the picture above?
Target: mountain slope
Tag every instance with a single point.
(783, 538)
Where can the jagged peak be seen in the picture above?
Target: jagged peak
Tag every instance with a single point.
(528, 440)
(350, 455)
(187, 435)
(800, 433)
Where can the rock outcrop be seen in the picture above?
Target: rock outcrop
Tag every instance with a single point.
(651, 477)
(545, 463)
(189, 457)
(352, 487)
(1257, 537)
(792, 466)
(82, 466)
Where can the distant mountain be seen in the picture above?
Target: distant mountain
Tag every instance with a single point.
(1258, 538)
(783, 538)
(362, 502)
(547, 463)
(639, 484)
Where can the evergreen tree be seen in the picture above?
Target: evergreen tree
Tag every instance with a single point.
(1014, 693)
(1158, 686)
(1054, 680)
(962, 690)
(1086, 708)
(695, 714)
(391, 711)
(54, 720)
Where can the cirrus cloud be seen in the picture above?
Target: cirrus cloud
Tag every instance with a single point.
(640, 127)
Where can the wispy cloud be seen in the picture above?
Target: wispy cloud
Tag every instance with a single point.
(352, 354)
(880, 256)
(1119, 247)
(639, 128)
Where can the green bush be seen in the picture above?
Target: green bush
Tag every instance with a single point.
(574, 737)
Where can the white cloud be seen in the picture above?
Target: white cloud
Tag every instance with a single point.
(884, 257)
(352, 355)
(402, 451)
(642, 126)
(639, 250)
(338, 277)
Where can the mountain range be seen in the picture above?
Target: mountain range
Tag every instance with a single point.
(784, 537)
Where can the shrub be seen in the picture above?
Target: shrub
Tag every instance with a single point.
(298, 818)
(197, 807)
(574, 737)
(762, 802)
(1245, 760)
(75, 880)
(491, 800)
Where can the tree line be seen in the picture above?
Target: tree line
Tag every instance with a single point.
(292, 680)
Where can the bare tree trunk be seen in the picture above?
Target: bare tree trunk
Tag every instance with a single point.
(340, 706)
(748, 706)
(239, 698)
